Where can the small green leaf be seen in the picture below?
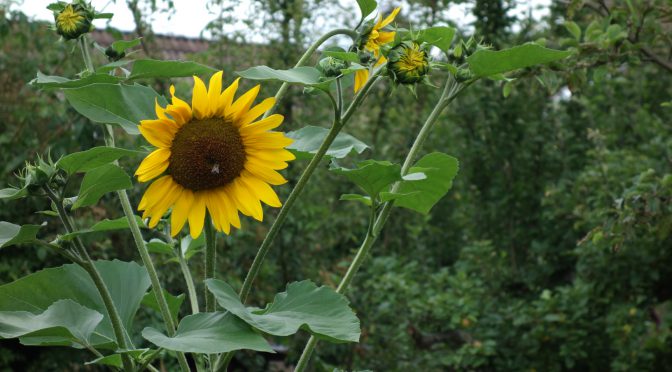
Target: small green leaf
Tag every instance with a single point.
(308, 139)
(85, 161)
(123, 105)
(104, 225)
(507, 88)
(11, 193)
(439, 36)
(159, 246)
(65, 322)
(366, 200)
(114, 360)
(58, 82)
(490, 62)
(372, 176)
(298, 75)
(320, 311)
(573, 29)
(367, 7)
(209, 333)
(150, 68)
(440, 170)
(344, 56)
(11, 234)
(174, 302)
(120, 46)
(98, 182)
(112, 65)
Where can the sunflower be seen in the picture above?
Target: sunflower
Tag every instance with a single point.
(73, 20)
(372, 41)
(408, 63)
(212, 156)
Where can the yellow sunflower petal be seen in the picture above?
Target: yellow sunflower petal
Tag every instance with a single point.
(215, 90)
(267, 140)
(384, 22)
(270, 163)
(229, 206)
(266, 174)
(226, 98)
(261, 189)
(199, 100)
(217, 211)
(247, 201)
(158, 132)
(197, 214)
(361, 76)
(167, 200)
(153, 192)
(380, 61)
(181, 211)
(160, 111)
(243, 103)
(179, 109)
(283, 155)
(263, 125)
(257, 111)
(153, 165)
(385, 37)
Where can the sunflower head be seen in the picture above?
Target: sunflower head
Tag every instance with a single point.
(408, 63)
(373, 36)
(331, 66)
(212, 156)
(72, 20)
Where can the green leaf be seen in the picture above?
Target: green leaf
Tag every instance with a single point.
(367, 7)
(490, 62)
(573, 29)
(440, 170)
(150, 68)
(11, 234)
(209, 333)
(439, 36)
(174, 302)
(114, 360)
(112, 65)
(298, 75)
(344, 56)
(366, 200)
(123, 105)
(308, 139)
(320, 311)
(159, 246)
(85, 161)
(98, 182)
(104, 225)
(372, 176)
(65, 322)
(127, 282)
(58, 82)
(120, 46)
(11, 193)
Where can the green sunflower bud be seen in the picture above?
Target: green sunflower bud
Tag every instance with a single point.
(113, 55)
(365, 57)
(37, 174)
(407, 63)
(331, 66)
(73, 20)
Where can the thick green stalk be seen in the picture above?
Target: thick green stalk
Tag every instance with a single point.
(305, 57)
(210, 258)
(450, 91)
(88, 265)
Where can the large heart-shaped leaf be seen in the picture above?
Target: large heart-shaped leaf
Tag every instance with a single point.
(84, 161)
(439, 36)
(127, 282)
(65, 323)
(11, 234)
(123, 105)
(98, 182)
(491, 62)
(308, 139)
(421, 195)
(320, 311)
(209, 333)
(151, 68)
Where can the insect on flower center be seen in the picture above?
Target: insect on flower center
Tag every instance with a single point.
(206, 154)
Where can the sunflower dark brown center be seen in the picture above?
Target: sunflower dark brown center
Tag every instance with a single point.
(206, 154)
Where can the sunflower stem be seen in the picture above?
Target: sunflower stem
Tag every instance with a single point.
(305, 57)
(210, 257)
(450, 91)
(88, 265)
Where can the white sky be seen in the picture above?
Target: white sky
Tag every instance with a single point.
(191, 16)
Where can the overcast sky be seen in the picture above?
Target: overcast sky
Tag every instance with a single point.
(191, 16)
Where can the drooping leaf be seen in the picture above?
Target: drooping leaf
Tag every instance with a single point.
(11, 234)
(104, 225)
(573, 29)
(159, 246)
(127, 282)
(64, 322)
(98, 182)
(308, 139)
(120, 46)
(367, 7)
(209, 333)
(439, 36)
(299, 75)
(151, 68)
(490, 62)
(58, 82)
(345, 56)
(123, 105)
(93, 158)
(366, 200)
(11, 193)
(372, 176)
(318, 310)
(440, 170)
(174, 302)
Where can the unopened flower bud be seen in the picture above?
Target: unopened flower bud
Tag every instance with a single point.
(113, 55)
(407, 63)
(73, 20)
(331, 66)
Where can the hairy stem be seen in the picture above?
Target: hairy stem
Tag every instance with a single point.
(210, 257)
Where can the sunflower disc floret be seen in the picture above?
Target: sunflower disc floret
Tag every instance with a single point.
(213, 155)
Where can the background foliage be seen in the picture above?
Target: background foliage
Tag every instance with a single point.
(552, 251)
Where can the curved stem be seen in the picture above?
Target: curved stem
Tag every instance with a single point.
(305, 57)
(450, 91)
(88, 265)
